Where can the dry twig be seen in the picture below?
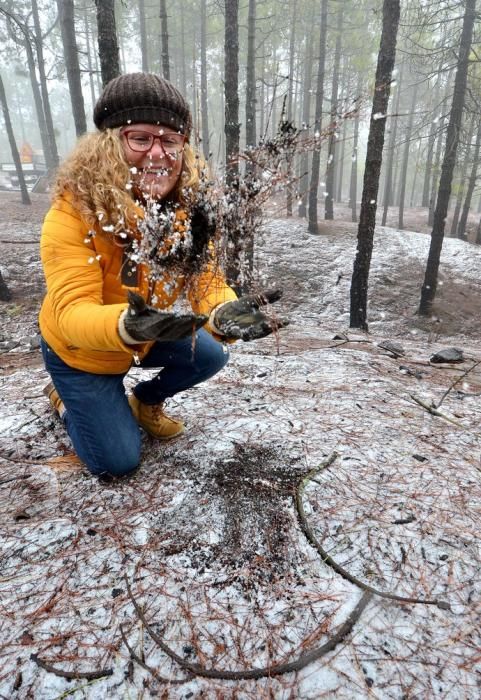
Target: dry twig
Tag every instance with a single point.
(434, 412)
(456, 381)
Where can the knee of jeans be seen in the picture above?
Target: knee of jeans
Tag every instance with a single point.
(117, 463)
(219, 358)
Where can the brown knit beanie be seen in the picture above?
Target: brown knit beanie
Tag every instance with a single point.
(142, 97)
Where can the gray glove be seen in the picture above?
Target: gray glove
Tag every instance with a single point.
(243, 318)
(143, 322)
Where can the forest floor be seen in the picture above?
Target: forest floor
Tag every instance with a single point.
(318, 464)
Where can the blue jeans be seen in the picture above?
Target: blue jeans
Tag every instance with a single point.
(104, 433)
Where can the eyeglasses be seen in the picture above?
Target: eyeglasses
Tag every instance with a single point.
(142, 141)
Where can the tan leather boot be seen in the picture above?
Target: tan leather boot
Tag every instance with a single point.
(154, 421)
(55, 401)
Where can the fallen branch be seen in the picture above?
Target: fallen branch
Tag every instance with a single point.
(326, 557)
(71, 675)
(256, 673)
(434, 412)
(148, 668)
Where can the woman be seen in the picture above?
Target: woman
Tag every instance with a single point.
(127, 242)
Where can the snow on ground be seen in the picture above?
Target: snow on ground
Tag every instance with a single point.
(207, 533)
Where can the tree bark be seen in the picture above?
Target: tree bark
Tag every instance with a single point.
(437, 159)
(354, 160)
(164, 35)
(331, 157)
(462, 234)
(290, 92)
(462, 182)
(183, 71)
(70, 52)
(306, 111)
(372, 169)
(428, 291)
(405, 160)
(107, 38)
(204, 105)
(388, 184)
(43, 85)
(143, 37)
(251, 77)
(89, 56)
(431, 140)
(14, 150)
(231, 88)
(316, 156)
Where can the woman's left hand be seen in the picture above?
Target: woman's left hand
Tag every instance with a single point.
(243, 318)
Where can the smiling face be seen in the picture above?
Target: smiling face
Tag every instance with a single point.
(155, 171)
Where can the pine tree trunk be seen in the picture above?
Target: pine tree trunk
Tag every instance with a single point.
(194, 90)
(462, 182)
(462, 234)
(204, 106)
(290, 91)
(342, 156)
(251, 76)
(70, 52)
(107, 38)
(306, 111)
(13, 148)
(437, 160)
(89, 56)
(263, 98)
(143, 37)
(428, 291)
(164, 33)
(97, 71)
(457, 207)
(43, 84)
(183, 72)
(431, 140)
(435, 173)
(372, 169)
(316, 156)
(231, 89)
(331, 157)
(388, 184)
(37, 97)
(354, 162)
(412, 200)
(405, 160)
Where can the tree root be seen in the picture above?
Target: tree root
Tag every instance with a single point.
(327, 559)
(71, 675)
(256, 673)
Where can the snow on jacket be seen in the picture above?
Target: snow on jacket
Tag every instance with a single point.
(85, 295)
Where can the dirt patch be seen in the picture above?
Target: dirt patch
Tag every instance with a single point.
(17, 213)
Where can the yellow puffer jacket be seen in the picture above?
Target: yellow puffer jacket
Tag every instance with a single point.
(85, 295)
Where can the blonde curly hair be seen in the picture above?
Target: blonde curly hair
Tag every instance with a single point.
(96, 175)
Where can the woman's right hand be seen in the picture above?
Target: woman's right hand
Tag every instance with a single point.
(140, 323)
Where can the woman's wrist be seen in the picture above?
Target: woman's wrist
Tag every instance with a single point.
(123, 332)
